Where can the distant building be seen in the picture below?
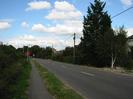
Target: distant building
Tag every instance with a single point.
(54, 51)
(130, 41)
(28, 53)
(1, 43)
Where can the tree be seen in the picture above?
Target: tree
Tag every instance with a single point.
(121, 46)
(49, 52)
(105, 48)
(35, 50)
(95, 25)
(68, 51)
(112, 47)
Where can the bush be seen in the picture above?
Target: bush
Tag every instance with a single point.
(11, 68)
(129, 65)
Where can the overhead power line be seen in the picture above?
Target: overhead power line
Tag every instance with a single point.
(69, 37)
(122, 12)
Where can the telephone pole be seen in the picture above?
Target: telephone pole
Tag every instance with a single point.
(74, 48)
(52, 51)
(27, 53)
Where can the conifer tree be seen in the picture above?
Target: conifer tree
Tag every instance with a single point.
(95, 25)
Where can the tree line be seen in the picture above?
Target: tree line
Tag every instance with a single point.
(100, 45)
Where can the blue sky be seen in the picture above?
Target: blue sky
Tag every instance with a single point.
(52, 22)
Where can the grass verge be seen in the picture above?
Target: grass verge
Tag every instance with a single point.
(55, 86)
(22, 83)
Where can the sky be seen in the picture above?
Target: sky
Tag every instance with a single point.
(53, 22)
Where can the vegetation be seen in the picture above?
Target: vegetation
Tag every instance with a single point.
(14, 73)
(41, 52)
(100, 45)
(55, 86)
(22, 83)
(95, 25)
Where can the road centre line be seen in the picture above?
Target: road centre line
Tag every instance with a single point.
(89, 74)
(82, 72)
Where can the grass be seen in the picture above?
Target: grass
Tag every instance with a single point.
(119, 70)
(21, 87)
(57, 89)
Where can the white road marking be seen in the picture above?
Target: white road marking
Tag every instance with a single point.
(64, 66)
(89, 74)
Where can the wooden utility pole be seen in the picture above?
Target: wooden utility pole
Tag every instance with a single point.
(27, 53)
(74, 48)
(52, 51)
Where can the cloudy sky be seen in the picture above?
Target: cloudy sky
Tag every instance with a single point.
(53, 22)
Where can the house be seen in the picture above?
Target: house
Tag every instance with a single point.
(130, 41)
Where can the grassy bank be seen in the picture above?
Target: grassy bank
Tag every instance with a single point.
(22, 83)
(55, 86)
(14, 80)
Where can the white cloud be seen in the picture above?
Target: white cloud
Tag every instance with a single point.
(24, 24)
(4, 25)
(68, 27)
(38, 5)
(127, 2)
(64, 6)
(39, 28)
(62, 15)
(32, 40)
(41, 41)
(66, 17)
(64, 11)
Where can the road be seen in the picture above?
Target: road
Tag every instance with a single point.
(37, 90)
(92, 83)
